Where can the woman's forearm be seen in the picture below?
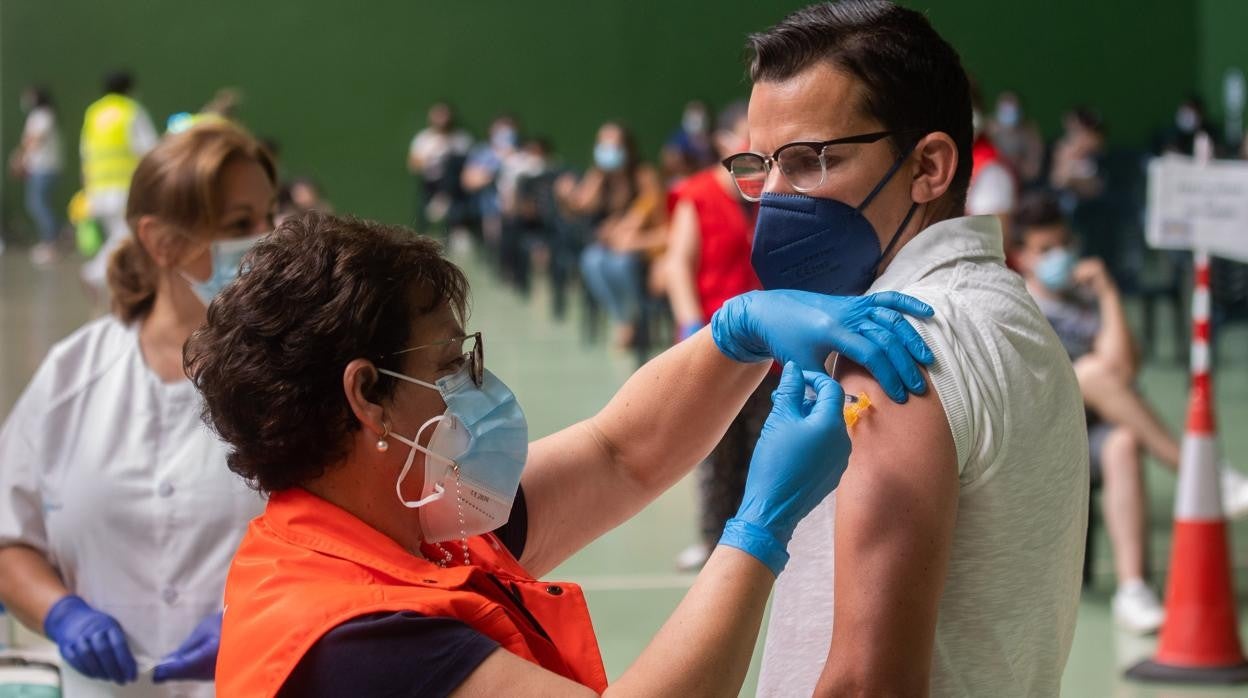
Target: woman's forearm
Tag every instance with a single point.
(682, 293)
(672, 411)
(704, 649)
(684, 250)
(593, 476)
(29, 586)
(585, 196)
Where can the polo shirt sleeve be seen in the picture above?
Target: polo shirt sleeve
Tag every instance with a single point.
(976, 355)
(951, 374)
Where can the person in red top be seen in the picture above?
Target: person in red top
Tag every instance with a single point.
(711, 233)
(994, 184)
(709, 245)
(993, 190)
(409, 519)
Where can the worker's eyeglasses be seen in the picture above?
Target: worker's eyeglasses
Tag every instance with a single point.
(469, 346)
(803, 163)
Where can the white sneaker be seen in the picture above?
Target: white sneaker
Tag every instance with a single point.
(43, 254)
(1234, 493)
(1136, 608)
(692, 558)
(459, 243)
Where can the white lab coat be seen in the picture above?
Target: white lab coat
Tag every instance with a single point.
(113, 474)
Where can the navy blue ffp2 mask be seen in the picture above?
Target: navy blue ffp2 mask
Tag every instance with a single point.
(820, 245)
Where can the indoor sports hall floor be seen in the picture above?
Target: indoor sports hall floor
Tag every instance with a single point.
(629, 574)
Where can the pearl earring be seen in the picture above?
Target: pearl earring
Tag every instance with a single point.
(382, 444)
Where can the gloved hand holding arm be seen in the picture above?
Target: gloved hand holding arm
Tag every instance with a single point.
(705, 647)
(805, 327)
(801, 454)
(90, 641)
(196, 659)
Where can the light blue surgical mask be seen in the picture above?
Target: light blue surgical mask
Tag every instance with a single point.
(1056, 268)
(504, 138)
(693, 122)
(1187, 119)
(1009, 114)
(609, 157)
(227, 258)
(478, 448)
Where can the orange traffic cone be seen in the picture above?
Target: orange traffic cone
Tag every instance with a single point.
(1200, 638)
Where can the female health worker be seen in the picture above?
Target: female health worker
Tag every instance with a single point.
(409, 519)
(118, 516)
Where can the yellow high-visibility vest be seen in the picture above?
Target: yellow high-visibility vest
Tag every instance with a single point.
(108, 157)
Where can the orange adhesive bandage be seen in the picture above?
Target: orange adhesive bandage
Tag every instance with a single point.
(854, 407)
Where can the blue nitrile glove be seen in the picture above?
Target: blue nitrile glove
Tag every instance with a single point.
(801, 454)
(92, 642)
(806, 327)
(689, 329)
(196, 659)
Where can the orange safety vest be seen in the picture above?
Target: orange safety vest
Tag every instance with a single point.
(306, 566)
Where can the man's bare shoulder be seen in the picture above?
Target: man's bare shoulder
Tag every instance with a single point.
(889, 434)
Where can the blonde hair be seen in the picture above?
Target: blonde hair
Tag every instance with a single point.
(178, 182)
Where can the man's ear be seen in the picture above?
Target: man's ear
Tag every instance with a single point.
(358, 379)
(936, 162)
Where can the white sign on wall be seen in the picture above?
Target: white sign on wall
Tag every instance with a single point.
(1193, 206)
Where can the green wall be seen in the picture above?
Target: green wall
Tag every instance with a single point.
(1132, 60)
(1220, 27)
(344, 85)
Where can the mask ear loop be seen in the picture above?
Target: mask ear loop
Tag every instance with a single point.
(888, 176)
(897, 235)
(914, 206)
(439, 489)
(409, 379)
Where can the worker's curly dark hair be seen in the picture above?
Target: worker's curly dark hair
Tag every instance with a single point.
(317, 293)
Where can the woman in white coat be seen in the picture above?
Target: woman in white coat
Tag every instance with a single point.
(118, 515)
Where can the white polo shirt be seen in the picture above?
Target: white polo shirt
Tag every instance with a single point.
(1007, 615)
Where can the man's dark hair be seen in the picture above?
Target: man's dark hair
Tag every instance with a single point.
(118, 82)
(1088, 117)
(913, 79)
(42, 97)
(542, 143)
(1039, 209)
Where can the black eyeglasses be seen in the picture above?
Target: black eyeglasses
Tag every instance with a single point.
(473, 351)
(803, 164)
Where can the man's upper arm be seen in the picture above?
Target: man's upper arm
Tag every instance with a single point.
(895, 513)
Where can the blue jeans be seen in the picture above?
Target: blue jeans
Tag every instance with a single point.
(39, 187)
(614, 280)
